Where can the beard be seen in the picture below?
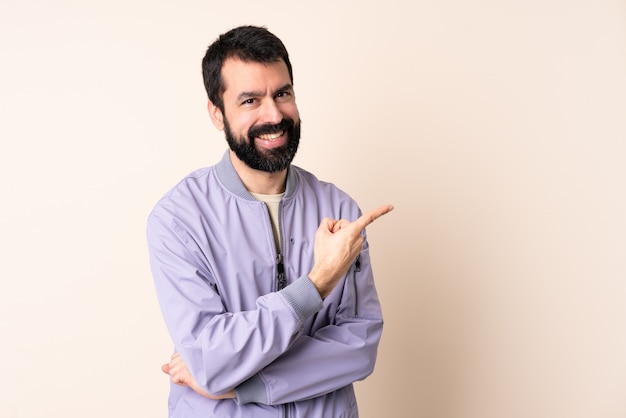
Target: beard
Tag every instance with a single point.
(268, 160)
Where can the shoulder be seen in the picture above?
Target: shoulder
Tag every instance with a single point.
(311, 181)
(196, 182)
(191, 189)
(325, 193)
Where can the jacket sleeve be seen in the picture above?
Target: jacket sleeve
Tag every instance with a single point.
(221, 349)
(335, 356)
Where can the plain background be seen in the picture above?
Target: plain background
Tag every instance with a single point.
(496, 128)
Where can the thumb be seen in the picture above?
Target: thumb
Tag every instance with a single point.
(165, 368)
(339, 224)
(327, 225)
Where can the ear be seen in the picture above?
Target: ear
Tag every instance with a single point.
(216, 116)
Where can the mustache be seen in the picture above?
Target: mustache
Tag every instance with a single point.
(269, 128)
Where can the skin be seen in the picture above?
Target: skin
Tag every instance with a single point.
(256, 94)
(261, 93)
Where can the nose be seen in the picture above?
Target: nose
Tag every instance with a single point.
(270, 112)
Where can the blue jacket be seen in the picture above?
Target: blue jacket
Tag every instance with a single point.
(243, 316)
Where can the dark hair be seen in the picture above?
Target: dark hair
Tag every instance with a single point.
(247, 43)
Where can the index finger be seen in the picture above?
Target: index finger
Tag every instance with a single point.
(371, 216)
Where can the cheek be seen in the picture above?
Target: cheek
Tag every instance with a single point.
(240, 124)
(291, 111)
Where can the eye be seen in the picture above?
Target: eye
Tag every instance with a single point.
(247, 102)
(283, 95)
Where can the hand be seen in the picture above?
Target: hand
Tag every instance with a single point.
(180, 375)
(337, 243)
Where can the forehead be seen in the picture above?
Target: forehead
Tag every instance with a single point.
(241, 76)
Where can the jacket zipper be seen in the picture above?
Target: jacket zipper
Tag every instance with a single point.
(281, 282)
(357, 268)
(280, 269)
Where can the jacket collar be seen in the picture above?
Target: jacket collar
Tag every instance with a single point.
(229, 177)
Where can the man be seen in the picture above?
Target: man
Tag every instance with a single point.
(261, 270)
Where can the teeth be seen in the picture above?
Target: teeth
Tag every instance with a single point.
(271, 137)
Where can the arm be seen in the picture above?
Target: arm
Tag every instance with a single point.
(338, 354)
(335, 356)
(221, 349)
(180, 375)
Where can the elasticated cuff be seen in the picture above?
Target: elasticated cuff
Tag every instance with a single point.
(303, 297)
(251, 391)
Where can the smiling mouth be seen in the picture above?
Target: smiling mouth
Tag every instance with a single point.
(271, 137)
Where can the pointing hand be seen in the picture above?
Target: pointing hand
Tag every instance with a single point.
(337, 243)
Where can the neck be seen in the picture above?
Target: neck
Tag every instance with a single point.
(257, 181)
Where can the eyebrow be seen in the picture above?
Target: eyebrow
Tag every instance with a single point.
(244, 95)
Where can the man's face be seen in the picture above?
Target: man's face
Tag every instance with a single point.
(260, 120)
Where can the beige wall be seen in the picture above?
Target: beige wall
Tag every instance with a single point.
(495, 127)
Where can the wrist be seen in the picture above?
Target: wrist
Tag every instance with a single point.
(317, 278)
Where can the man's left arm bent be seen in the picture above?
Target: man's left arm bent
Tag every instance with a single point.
(335, 356)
